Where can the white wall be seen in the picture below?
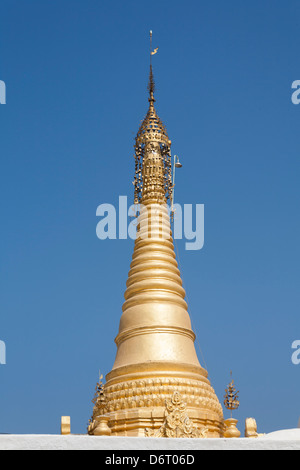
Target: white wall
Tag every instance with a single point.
(281, 440)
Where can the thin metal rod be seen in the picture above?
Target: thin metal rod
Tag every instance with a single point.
(150, 48)
(173, 184)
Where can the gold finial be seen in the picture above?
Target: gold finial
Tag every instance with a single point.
(231, 403)
(99, 398)
(231, 396)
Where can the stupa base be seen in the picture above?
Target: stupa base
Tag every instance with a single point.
(160, 400)
(145, 422)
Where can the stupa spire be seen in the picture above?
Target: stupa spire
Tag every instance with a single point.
(153, 167)
(156, 363)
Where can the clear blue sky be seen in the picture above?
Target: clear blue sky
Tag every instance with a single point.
(76, 75)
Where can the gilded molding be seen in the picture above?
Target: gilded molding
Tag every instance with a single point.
(144, 330)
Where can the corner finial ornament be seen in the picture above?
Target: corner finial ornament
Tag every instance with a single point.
(98, 424)
(177, 423)
(231, 396)
(231, 403)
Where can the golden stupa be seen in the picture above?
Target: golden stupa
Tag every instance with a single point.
(157, 386)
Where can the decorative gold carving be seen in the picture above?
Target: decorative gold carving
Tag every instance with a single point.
(99, 399)
(154, 392)
(177, 422)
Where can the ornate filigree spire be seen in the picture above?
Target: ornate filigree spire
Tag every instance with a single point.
(153, 168)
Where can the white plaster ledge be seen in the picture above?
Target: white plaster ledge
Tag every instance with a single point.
(281, 440)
